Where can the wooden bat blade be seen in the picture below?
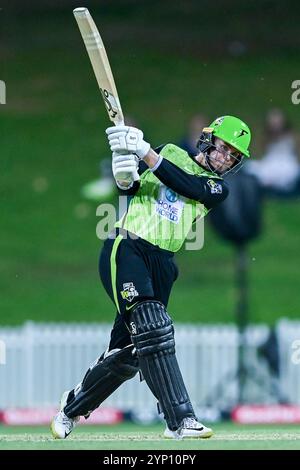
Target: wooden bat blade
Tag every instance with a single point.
(99, 60)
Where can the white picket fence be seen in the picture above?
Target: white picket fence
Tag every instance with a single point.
(42, 360)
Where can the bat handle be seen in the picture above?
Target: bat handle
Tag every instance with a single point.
(119, 122)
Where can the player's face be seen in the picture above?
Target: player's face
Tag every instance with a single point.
(223, 157)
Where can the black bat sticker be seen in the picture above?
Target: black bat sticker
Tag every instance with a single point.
(105, 95)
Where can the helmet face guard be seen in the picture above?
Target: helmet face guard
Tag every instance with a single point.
(206, 146)
(235, 133)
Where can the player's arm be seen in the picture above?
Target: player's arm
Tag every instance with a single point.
(203, 189)
(206, 190)
(125, 138)
(200, 188)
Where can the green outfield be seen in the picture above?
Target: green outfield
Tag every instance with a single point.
(52, 140)
(131, 437)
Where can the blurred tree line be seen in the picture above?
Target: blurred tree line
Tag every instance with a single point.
(228, 26)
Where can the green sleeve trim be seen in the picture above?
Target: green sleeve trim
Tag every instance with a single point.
(113, 269)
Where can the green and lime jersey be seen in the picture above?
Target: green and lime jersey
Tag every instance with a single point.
(170, 199)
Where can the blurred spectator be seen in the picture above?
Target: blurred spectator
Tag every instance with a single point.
(104, 187)
(194, 130)
(278, 171)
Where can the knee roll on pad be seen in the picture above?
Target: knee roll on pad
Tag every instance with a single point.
(152, 334)
(152, 329)
(123, 363)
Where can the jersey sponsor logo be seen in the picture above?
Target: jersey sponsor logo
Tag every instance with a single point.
(129, 291)
(169, 205)
(171, 195)
(215, 188)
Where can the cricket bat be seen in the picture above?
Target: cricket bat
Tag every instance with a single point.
(98, 57)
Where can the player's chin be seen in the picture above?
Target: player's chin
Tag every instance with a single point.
(222, 167)
(219, 168)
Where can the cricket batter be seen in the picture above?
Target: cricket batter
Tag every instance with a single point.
(168, 191)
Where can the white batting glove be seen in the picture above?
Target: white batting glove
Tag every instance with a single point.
(127, 139)
(125, 170)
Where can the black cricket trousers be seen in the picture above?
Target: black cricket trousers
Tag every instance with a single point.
(133, 270)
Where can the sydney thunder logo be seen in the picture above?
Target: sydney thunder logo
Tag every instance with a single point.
(129, 291)
(215, 188)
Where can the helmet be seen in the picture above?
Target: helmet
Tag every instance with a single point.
(231, 130)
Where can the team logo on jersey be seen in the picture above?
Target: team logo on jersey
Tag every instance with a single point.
(129, 291)
(215, 188)
(169, 205)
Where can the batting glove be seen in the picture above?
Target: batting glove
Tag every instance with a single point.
(127, 139)
(125, 170)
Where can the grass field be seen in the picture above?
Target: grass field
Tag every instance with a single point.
(132, 437)
(52, 139)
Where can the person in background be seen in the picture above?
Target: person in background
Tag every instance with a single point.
(278, 171)
(189, 141)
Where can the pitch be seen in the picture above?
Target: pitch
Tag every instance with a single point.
(131, 437)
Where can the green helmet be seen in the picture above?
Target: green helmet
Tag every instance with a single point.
(233, 131)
